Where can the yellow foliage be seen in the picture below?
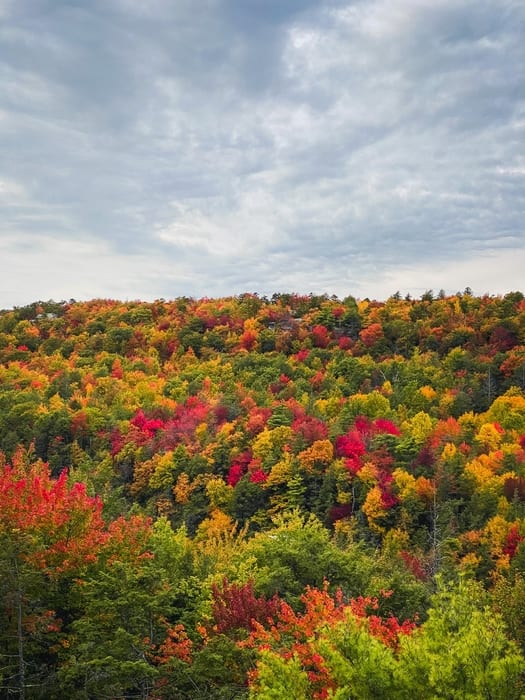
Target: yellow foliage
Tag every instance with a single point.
(281, 472)
(373, 405)
(141, 476)
(221, 547)
(201, 431)
(503, 505)
(368, 473)
(495, 534)
(503, 562)
(225, 430)
(251, 324)
(427, 392)
(447, 399)
(218, 491)
(471, 538)
(345, 530)
(373, 508)
(395, 541)
(488, 436)
(343, 497)
(387, 388)
(163, 466)
(164, 507)
(269, 443)
(320, 453)
(216, 526)
(328, 407)
(405, 483)
(469, 562)
(56, 403)
(183, 488)
(469, 421)
(304, 399)
(419, 427)
(449, 452)
(262, 444)
(483, 468)
(508, 410)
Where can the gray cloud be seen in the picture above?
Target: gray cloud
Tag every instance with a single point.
(219, 146)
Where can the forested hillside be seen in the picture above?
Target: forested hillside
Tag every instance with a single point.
(296, 497)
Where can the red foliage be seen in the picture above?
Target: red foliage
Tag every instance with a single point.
(117, 441)
(65, 524)
(513, 541)
(317, 379)
(235, 473)
(350, 445)
(116, 369)
(302, 355)
(180, 428)
(445, 431)
(258, 476)
(425, 458)
(239, 467)
(502, 339)
(345, 343)
(388, 499)
(257, 420)
(413, 564)
(367, 427)
(371, 335)
(177, 645)
(353, 464)
(310, 429)
(320, 336)
(79, 424)
(149, 426)
(363, 425)
(382, 425)
(340, 511)
(235, 606)
(248, 340)
(294, 634)
(128, 538)
(221, 414)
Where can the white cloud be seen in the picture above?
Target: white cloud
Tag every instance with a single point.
(323, 148)
(12, 193)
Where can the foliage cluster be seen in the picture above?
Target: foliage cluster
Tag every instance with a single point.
(247, 497)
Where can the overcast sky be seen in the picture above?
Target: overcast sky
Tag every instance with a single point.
(159, 148)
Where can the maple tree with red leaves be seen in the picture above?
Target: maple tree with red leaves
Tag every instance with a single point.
(294, 634)
(61, 525)
(236, 607)
(512, 542)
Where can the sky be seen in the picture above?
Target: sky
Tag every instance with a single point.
(161, 148)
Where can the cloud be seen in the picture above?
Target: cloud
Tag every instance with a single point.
(223, 146)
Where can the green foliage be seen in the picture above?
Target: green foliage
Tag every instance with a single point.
(299, 551)
(462, 651)
(279, 678)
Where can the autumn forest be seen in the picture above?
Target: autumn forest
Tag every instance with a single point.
(296, 497)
